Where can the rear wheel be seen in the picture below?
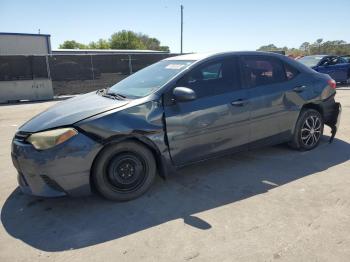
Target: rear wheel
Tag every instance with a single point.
(308, 130)
(124, 171)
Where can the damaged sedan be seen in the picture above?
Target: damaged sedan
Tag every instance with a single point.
(176, 112)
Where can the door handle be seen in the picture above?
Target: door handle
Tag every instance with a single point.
(299, 89)
(238, 102)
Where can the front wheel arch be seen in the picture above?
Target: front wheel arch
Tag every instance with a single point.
(113, 190)
(124, 138)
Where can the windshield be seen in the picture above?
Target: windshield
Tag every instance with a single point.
(149, 79)
(310, 61)
(347, 58)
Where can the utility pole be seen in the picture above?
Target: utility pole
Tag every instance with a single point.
(182, 20)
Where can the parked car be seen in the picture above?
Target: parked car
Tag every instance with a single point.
(336, 67)
(346, 57)
(175, 112)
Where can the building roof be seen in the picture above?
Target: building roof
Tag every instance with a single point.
(24, 34)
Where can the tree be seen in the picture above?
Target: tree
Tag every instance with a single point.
(305, 47)
(120, 40)
(336, 47)
(126, 40)
(100, 44)
(152, 43)
(319, 41)
(71, 44)
(270, 47)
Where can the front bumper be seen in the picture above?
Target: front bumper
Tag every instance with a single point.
(58, 171)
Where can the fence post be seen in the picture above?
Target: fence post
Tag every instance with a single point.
(130, 65)
(48, 67)
(92, 68)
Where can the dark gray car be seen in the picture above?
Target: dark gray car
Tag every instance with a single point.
(175, 112)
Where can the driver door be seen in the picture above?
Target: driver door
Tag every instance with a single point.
(216, 121)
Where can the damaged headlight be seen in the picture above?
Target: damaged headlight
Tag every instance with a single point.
(51, 138)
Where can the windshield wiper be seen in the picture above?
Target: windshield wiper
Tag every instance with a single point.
(115, 95)
(104, 93)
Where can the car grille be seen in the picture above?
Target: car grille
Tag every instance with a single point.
(21, 136)
(51, 183)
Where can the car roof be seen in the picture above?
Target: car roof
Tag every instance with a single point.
(202, 56)
(316, 55)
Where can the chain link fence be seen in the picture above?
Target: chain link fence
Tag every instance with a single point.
(78, 73)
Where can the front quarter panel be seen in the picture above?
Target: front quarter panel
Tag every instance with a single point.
(143, 122)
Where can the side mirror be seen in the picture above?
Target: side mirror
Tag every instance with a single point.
(184, 94)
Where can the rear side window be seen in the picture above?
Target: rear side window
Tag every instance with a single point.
(291, 72)
(213, 78)
(263, 70)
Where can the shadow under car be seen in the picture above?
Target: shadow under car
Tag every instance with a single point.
(67, 223)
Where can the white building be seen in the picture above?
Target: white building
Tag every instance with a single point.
(24, 70)
(24, 44)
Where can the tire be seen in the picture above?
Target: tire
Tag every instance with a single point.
(308, 130)
(124, 171)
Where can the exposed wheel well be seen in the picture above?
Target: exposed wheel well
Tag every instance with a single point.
(315, 107)
(119, 139)
(309, 106)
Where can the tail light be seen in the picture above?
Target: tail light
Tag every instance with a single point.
(332, 83)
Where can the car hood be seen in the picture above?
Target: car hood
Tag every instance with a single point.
(71, 111)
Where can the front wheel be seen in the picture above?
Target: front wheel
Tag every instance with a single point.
(308, 130)
(124, 171)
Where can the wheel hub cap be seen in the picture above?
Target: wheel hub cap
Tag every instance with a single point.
(311, 131)
(126, 172)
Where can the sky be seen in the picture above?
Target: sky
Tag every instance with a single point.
(209, 26)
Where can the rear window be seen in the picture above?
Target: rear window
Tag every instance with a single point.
(310, 61)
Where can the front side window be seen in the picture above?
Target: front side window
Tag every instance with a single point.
(328, 61)
(213, 78)
(262, 70)
(341, 60)
(149, 79)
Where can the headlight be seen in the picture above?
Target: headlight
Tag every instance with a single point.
(48, 139)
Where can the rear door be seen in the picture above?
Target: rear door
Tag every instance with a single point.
(271, 92)
(216, 121)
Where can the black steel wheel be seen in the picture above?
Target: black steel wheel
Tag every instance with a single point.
(308, 130)
(124, 171)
